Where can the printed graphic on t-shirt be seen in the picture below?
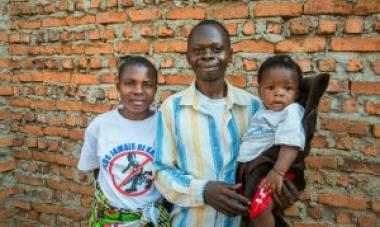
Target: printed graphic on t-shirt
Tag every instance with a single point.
(130, 168)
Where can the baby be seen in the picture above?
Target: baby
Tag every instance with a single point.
(278, 124)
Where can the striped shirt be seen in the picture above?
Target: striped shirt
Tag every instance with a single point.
(189, 152)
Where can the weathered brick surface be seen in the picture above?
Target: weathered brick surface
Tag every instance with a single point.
(57, 71)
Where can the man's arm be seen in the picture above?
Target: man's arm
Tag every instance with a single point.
(175, 185)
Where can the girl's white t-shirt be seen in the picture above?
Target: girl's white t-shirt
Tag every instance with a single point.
(123, 150)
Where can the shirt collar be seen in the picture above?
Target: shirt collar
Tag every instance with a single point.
(190, 97)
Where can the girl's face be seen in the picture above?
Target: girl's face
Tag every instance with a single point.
(137, 86)
(278, 88)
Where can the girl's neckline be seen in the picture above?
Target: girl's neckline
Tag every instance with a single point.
(120, 116)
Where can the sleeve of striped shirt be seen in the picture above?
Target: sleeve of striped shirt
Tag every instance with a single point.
(175, 185)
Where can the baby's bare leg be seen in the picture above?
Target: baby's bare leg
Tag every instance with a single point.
(265, 219)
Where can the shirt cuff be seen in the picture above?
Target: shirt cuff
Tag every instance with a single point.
(199, 187)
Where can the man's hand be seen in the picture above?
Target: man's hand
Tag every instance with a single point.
(289, 195)
(224, 198)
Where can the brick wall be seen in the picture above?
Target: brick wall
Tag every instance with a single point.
(57, 68)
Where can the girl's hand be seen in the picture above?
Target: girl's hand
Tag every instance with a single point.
(273, 181)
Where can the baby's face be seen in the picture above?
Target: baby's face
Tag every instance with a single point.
(278, 88)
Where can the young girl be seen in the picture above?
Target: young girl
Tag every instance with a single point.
(278, 124)
(120, 144)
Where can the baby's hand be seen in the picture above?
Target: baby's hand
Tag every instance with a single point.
(273, 181)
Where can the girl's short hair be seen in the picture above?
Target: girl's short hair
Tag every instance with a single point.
(282, 61)
(126, 61)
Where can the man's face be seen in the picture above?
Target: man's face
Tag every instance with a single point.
(208, 53)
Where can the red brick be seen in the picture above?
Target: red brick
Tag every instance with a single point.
(353, 26)
(299, 27)
(350, 105)
(31, 129)
(85, 19)
(333, 7)
(95, 108)
(318, 162)
(326, 65)
(82, 189)
(56, 131)
(304, 64)
(250, 64)
(22, 154)
(100, 48)
(277, 9)
(253, 46)
(69, 105)
(94, 35)
(18, 50)
(45, 208)
(7, 213)
(126, 3)
(344, 142)
(359, 128)
(343, 218)
(301, 45)
(29, 24)
(316, 178)
(179, 79)
(29, 180)
(5, 115)
(249, 28)
(361, 166)
(370, 150)
(362, 44)
(318, 142)
(81, 79)
(372, 108)
(170, 46)
(293, 211)
(365, 88)
(109, 34)
(273, 28)
(164, 31)
(315, 212)
(6, 166)
(327, 27)
(146, 30)
(354, 65)
(23, 204)
(143, 15)
(7, 192)
(43, 104)
(108, 78)
(190, 13)
(366, 221)
(237, 80)
(367, 7)
(19, 38)
(134, 47)
(184, 30)
(354, 202)
(230, 11)
(6, 90)
(76, 134)
(375, 66)
(111, 17)
(95, 63)
(337, 86)
(54, 22)
(44, 157)
(231, 29)
(376, 205)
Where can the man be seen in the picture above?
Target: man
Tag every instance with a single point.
(198, 136)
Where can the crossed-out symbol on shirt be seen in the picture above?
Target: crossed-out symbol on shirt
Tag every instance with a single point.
(135, 180)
